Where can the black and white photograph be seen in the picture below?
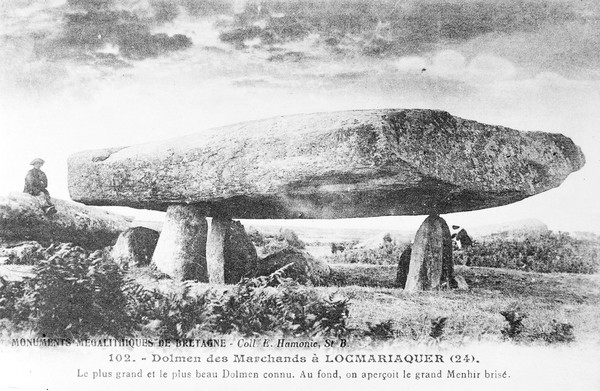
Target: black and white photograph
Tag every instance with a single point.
(307, 194)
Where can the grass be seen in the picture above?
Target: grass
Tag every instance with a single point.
(379, 311)
(473, 315)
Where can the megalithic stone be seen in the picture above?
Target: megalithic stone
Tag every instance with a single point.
(403, 267)
(22, 219)
(241, 260)
(216, 249)
(350, 164)
(431, 258)
(135, 246)
(181, 248)
(230, 254)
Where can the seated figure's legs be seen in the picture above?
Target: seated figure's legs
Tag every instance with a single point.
(45, 202)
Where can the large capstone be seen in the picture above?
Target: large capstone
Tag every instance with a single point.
(181, 248)
(431, 264)
(331, 165)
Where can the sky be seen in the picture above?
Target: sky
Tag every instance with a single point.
(88, 74)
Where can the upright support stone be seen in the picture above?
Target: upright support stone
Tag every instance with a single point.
(216, 248)
(230, 253)
(241, 259)
(135, 246)
(181, 248)
(431, 258)
(403, 267)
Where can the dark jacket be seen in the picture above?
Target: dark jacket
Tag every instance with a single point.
(35, 182)
(463, 237)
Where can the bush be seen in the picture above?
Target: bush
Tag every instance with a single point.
(14, 301)
(168, 316)
(555, 332)
(291, 238)
(386, 254)
(257, 238)
(382, 330)
(76, 296)
(547, 253)
(424, 329)
(273, 303)
(437, 327)
(515, 324)
(267, 244)
(559, 333)
(31, 253)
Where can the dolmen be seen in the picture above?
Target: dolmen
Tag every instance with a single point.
(347, 164)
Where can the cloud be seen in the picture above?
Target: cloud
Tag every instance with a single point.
(412, 64)
(87, 32)
(207, 7)
(449, 64)
(432, 22)
(571, 49)
(491, 68)
(83, 31)
(393, 27)
(453, 65)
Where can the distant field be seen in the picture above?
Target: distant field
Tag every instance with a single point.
(326, 235)
(473, 314)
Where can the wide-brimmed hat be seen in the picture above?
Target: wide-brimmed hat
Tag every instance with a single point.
(36, 161)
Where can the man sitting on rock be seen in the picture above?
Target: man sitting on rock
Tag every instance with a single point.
(36, 183)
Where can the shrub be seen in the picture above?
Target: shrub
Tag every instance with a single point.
(14, 301)
(291, 238)
(386, 254)
(382, 330)
(267, 244)
(515, 324)
(273, 303)
(168, 316)
(31, 253)
(555, 332)
(545, 253)
(76, 296)
(559, 333)
(437, 327)
(257, 238)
